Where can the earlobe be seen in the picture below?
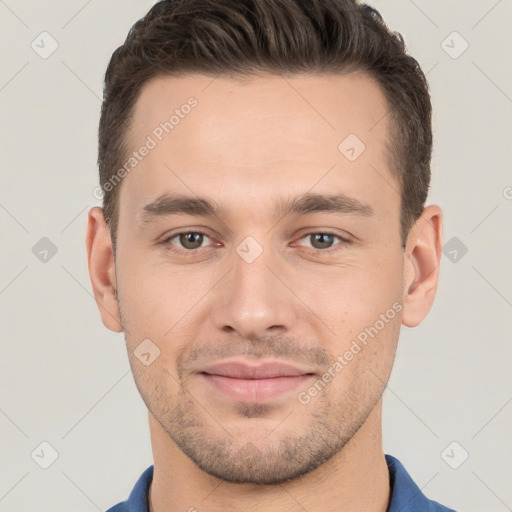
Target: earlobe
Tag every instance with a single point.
(421, 266)
(100, 260)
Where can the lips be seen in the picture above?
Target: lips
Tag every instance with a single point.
(238, 380)
(241, 370)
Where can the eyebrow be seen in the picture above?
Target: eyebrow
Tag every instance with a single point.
(305, 204)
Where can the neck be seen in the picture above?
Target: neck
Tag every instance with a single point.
(355, 479)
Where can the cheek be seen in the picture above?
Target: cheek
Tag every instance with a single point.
(162, 305)
(361, 305)
(354, 295)
(363, 360)
(156, 384)
(155, 297)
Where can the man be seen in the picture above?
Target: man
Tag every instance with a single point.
(265, 166)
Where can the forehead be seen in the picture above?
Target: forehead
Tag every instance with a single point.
(316, 106)
(215, 135)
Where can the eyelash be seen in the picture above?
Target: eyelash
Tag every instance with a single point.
(167, 242)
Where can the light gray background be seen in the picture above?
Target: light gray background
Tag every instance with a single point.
(65, 379)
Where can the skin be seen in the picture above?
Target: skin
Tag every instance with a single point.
(246, 146)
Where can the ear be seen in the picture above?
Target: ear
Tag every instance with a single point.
(100, 259)
(421, 265)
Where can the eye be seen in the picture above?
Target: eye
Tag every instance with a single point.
(189, 240)
(323, 241)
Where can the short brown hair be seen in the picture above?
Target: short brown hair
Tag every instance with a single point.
(244, 37)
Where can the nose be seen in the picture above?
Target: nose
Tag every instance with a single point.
(254, 299)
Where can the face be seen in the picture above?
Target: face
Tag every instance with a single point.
(291, 254)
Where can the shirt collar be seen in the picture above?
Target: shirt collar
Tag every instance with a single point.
(405, 495)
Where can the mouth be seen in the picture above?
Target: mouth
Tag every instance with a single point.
(264, 382)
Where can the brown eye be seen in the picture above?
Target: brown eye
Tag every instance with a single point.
(186, 241)
(325, 242)
(191, 240)
(321, 240)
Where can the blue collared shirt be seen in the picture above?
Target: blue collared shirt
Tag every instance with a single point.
(406, 496)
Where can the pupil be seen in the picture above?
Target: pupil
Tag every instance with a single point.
(191, 238)
(321, 238)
